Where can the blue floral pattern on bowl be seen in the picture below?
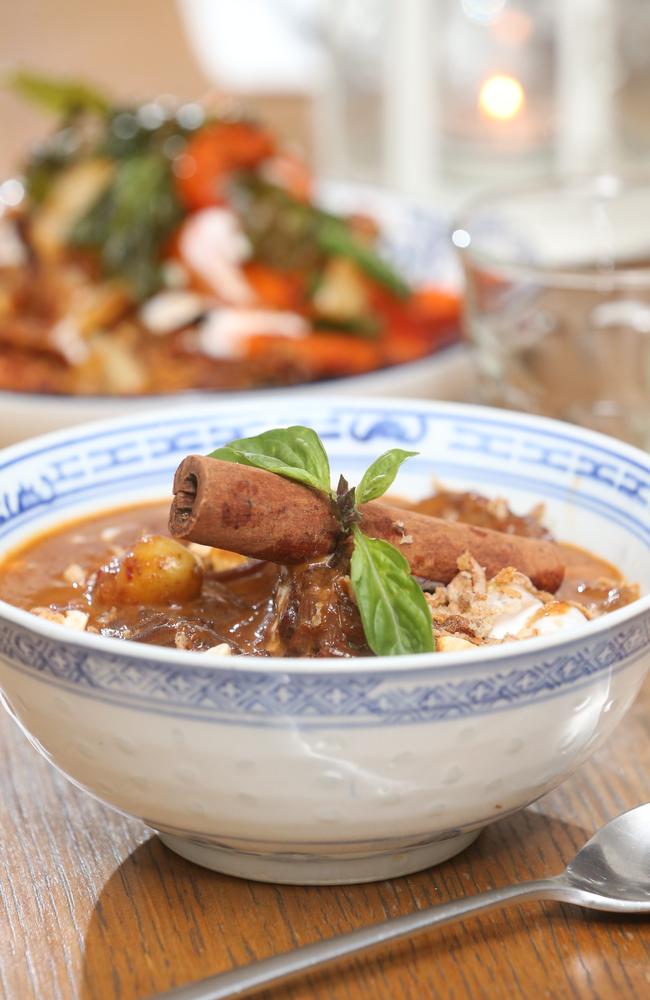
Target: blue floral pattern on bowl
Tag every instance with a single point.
(321, 700)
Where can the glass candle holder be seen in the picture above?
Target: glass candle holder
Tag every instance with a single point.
(558, 300)
(496, 74)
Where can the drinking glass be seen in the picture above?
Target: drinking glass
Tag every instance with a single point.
(558, 300)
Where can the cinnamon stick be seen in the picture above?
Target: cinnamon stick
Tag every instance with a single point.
(265, 516)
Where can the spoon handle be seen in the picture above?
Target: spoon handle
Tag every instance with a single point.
(241, 981)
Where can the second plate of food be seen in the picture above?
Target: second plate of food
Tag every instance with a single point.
(158, 250)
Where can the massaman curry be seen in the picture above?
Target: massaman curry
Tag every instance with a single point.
(119, 574)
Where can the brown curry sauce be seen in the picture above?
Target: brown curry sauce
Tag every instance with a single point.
(241, 604)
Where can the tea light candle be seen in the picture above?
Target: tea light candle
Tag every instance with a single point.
(501, 97)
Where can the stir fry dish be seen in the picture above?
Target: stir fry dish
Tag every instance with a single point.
(152, 249)
(260, 556)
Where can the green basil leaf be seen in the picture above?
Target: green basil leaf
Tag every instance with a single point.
(395, 615)
(380, 476)
(293, 452)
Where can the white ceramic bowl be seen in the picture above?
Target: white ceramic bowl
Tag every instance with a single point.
(414, 238)
(327, 770)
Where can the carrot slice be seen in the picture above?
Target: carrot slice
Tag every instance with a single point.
(436, 304)
(403, 345)
(291, 173)
(322, 355)
(213, 154)
(276, 289)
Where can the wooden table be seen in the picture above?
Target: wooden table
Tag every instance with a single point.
(92, 906)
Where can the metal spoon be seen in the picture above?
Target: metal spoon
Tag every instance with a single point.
(611, 872)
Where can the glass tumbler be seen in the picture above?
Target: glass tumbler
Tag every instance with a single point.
(558, 300)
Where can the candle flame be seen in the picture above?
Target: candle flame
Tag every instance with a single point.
(501, 96)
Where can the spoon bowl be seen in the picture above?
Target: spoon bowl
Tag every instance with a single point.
(615, 863)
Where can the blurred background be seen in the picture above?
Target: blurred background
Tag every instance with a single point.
(134, 50)
(436, 101)
(423, 95)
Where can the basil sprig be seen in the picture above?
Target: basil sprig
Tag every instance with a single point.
(380, 476)
(394, 613)
(293, 452)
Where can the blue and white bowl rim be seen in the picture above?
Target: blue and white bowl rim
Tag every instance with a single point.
(396, 666)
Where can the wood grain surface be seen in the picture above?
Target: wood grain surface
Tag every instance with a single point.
(92, 906)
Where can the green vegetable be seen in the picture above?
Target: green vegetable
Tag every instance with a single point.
(380, 476)
(336, 239)
(293, 452)
(129, 224)
(394, 612)
(287, 233)
(126, 135)
(43, 168)
(65, 97)
(69, 99)
(365, 326)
